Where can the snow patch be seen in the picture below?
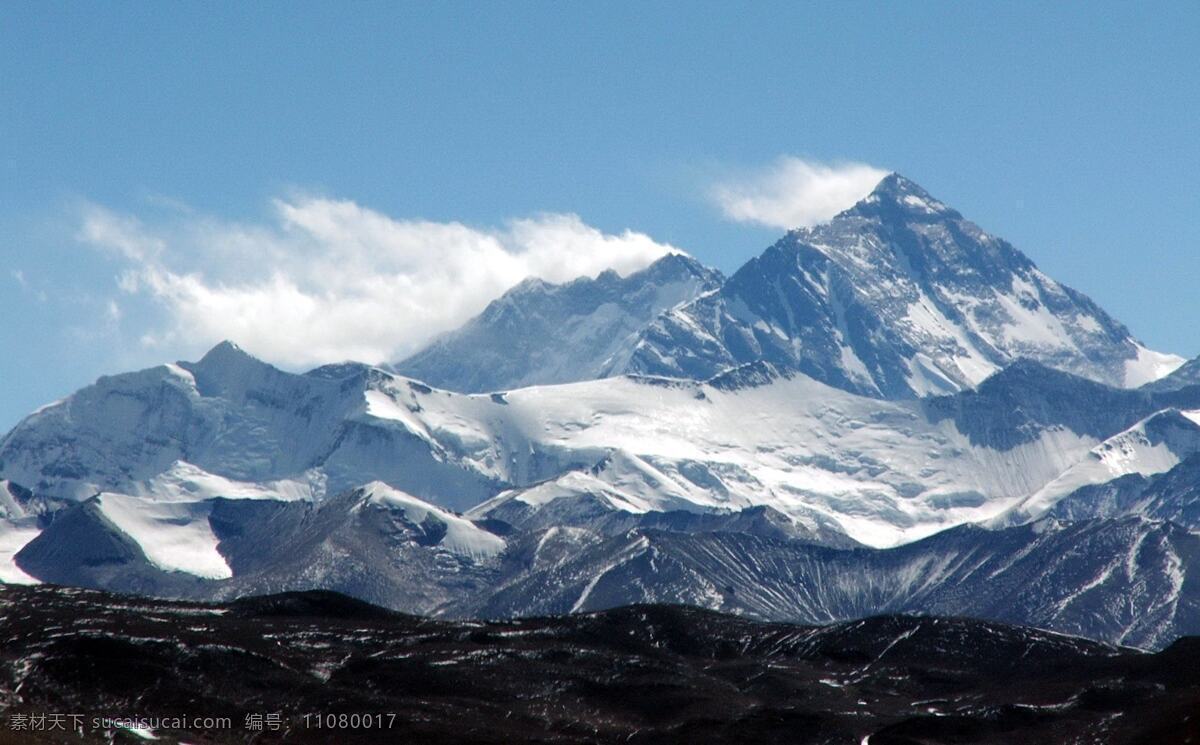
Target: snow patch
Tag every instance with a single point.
(12, 539)
(184, 482)
(462, 536)
(174, 536)
(1149, 366)
(1129, 452)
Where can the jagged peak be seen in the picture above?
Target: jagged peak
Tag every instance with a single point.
(896, 185)
(227, 367)
(341, 370)
(897, 192)
(224, 353)
(670, 264)
(667, 267)
(529, 284)
(677, 259)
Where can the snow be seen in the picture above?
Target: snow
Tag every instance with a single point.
(880, 470)
(174, 536)
(796, 445)
(854, 366)
(462, 535)
(46, 407)
(13, 538)
(1128, 452)
(1149, 366)
(930, 206)
(384, 406)
(926, 317)
(821, 455)
(10, 508)
(631, 552)
(1088, 323)
(1036, 327)
(185, 482)
(180, 373)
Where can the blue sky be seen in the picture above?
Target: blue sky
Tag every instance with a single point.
(215, 142)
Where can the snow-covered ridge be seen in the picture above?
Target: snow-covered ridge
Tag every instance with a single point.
(462, 536)
(1154, 445)
(880, 472)
(540, 333)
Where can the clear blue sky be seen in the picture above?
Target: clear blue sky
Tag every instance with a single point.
(1071, 131)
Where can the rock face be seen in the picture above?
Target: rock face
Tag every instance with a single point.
(644, 674)
(1128, 581)
(539, 333)
(897, 297)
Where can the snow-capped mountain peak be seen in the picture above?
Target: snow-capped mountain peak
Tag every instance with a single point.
(897, 297)
(895, 192)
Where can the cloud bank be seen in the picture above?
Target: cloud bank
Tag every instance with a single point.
(329, 280)
(795, 193)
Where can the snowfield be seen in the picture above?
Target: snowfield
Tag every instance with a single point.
(880, 471)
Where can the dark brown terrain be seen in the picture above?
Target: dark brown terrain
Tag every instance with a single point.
(642, 674)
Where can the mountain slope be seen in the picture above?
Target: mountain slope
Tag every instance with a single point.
(1188, 374)
(646, 674)
(880, 472)
(1172, 496)
(374, 543)
(539, 333)
(897, 297)
(1154, 445)
(231, 425)
(1128, 581)
(750, 492)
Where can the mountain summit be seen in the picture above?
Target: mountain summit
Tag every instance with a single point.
(897, 297)
(539, 333)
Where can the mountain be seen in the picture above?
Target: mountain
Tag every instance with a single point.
(1173, 495)
(231, 425)
(1154, 445)
(1127, 581)
(897, 297)
(834, 463)
(372, 542)
(645, 674)
(760, 491)
(1188, 374)
(789, 458)
(539, 333)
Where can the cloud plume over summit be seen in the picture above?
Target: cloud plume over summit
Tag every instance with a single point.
(794, 193)
(325, 280)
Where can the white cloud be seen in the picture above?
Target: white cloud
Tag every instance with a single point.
(329, 280)
(795, 193)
